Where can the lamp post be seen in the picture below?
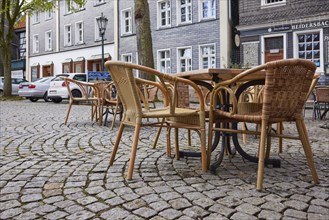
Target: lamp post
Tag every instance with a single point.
(102, 22)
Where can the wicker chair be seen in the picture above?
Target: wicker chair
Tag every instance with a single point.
(286, 86)
(321, 101)
(109, 101)
(89, 95)
(126, 84)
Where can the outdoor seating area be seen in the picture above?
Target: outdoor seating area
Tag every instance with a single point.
(227, 102)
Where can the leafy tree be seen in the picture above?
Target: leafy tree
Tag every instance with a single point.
(143, 33)
(10, 12)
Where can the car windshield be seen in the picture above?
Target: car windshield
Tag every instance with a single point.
(41, 80)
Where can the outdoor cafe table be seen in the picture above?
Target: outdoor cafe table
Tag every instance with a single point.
(206, 78)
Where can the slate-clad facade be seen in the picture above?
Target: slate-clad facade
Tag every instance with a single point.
(271, 30)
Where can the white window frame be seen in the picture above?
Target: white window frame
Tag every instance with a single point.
(126, 55)
(98, 36)
(77, 33)
(179, 59)
(98, 2)
(211, 9)
(36, 17)
(264, 3)
(179, 15)
(123, 21)
(262, 45)
(167, 12)
(67, 39)
(209, 56)
(48, 14)
(167, 69)
(48, 41)
(36, 43)
(295, 43)
(68, 6)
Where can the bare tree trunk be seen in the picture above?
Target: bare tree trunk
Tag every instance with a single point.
(144, 35)
(6, 56)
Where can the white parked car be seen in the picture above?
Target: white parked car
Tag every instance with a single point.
(35, 90)
(58, 91)
(14, 85)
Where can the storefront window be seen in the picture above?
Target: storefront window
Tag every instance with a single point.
(309, 47)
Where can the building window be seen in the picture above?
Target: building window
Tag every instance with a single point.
(99, 2)
(49, 14)
(164, 13)
(67, 35)
(35, 43)
(36, 17)
(48, 41)
(68, 6)
(184, 11)
(270, 3)
(79, 33)
(126, 26)
(164, 64)
(127, 57)
(207, 9)
(184, 59)
(207, 56)
(22, 45)
(309, 47)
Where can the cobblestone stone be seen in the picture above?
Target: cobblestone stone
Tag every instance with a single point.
(52, 171)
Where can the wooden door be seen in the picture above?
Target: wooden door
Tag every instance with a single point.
(273, 49)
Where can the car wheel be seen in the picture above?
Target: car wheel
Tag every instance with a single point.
(33, 99)
(76, 93)
(1, 92)
(45, 97)
(56, 100)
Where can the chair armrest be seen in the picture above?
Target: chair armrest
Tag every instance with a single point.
(87, 89)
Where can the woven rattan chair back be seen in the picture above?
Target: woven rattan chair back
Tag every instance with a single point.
(124, 80)
(286, 85)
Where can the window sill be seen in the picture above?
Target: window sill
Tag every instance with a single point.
(99, 4)
(273, 5)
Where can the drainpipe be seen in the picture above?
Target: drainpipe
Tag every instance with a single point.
(116, 30)
(225, 34)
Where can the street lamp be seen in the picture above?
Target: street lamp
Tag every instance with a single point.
(102, 22)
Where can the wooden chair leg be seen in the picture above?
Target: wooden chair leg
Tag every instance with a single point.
(114, 116)
(244, 136)
(168, 142)
(68, 113)
(268, 141)
(158, 134)
(189, 137)
(261, 154)
(101, 111)
(133, 152)
(279, 131)
(116, 145)
(307, 148)
(204, 153)
(176, 143)
(210, 137)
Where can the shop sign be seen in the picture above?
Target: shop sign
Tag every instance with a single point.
(98, 76)
(279, 28)
(313, 24)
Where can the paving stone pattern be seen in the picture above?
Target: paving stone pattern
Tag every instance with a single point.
(52, 171)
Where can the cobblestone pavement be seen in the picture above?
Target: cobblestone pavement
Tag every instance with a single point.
(52, 171)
